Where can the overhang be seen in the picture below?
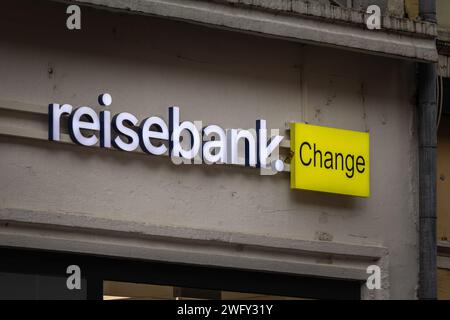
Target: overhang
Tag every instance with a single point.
(295, 20)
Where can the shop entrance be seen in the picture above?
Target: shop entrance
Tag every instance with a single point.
(36, 274)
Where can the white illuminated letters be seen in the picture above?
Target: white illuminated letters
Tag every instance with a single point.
(215, 151)
(76, 125)
(265, 150)
(55, 111)
(233, 137)
(145, 134)
(175, 129)
(105, 129)
(211, 145)
(119, 123)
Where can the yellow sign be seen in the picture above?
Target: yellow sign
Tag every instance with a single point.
(330, 160)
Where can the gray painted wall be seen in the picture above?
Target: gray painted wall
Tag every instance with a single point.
(219, 77)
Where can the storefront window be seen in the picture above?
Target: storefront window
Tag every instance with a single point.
(113, 290)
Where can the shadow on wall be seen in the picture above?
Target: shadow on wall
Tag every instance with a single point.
(334, 202)
(114, 158)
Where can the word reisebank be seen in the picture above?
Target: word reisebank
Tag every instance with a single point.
(211, 144)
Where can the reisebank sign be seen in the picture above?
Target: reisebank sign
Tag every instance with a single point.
(323, 159)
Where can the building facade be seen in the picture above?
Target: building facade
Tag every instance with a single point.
(443, 16)
(130, 217)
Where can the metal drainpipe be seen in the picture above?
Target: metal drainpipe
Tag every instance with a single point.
(427, 167)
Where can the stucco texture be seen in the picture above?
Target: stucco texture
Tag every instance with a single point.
(219, 77)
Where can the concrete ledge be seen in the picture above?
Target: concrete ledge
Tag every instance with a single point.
(338, 14)
(295, 21)
(85, 234)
